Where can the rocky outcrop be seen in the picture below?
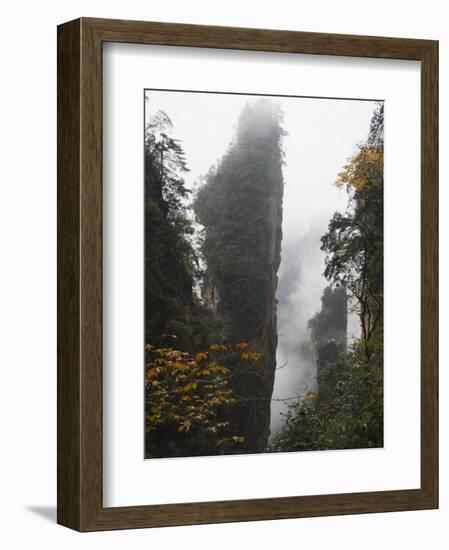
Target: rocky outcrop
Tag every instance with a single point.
(329, 335)
(240, 208)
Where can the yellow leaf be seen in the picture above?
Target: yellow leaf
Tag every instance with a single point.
(152, 373)
(218, 347)
(190, 386)
(242, 345)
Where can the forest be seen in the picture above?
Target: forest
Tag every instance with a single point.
(212, 258)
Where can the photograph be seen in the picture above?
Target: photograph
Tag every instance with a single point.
(247, 294)
(263, 256)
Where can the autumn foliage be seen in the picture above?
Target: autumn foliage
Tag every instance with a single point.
(364, 168)
(188, 397)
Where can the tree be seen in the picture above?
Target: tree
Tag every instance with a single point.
(354, 241)
(189, 398)
(351, 419)
(170, 259)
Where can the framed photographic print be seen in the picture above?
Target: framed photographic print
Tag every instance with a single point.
(247, 289)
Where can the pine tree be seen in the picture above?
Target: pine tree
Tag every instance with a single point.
(170, 259)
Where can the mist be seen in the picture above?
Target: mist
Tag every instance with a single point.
(321, 135)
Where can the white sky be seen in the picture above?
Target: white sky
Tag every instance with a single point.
(322, 135)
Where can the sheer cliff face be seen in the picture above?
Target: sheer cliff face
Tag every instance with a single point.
(329, 333)
(331, 322)
(241, 209)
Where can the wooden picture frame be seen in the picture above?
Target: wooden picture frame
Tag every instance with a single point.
(80, 503)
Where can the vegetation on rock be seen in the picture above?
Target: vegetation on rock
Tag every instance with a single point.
(240, 207)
